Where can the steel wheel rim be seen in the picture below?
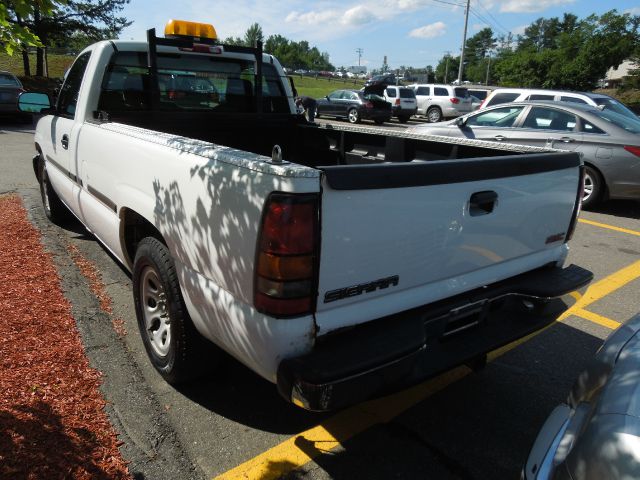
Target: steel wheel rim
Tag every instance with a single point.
(157, 324)
(353, 116)
(434, 116)
(588, 187)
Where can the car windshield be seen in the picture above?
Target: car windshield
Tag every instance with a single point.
(631, 125)
(615, 106)
(7, 80)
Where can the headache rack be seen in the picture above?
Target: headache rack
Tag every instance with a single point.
(188, 43)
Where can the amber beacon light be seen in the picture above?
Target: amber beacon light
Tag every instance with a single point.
(182, 28)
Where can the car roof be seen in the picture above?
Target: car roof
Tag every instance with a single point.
(578, 107)
(548, 91)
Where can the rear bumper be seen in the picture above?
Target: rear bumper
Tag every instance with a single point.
(403, 349)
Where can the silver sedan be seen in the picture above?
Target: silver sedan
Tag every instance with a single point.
(609, 142)
(596, 434)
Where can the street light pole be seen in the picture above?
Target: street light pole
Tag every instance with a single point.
(464, 40)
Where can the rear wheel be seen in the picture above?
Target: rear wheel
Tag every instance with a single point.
(175, 348)
(54, 209)
(353, 116)
(593, 187)
(434, 114)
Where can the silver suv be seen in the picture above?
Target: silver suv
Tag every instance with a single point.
(605, 102)
(438, 101)
(402, 100)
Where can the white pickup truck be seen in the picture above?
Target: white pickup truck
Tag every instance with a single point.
(338, 262)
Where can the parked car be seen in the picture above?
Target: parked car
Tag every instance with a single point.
(596, 434)
(481, 91)
(608, 141)
(505, 95)
(402, 100)
(10, 90)
(355, 105)
(438, 101)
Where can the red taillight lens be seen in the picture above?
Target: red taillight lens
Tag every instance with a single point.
(482, 103)
(286, 260)
(634, 150)
(454, 100)
(397, 101)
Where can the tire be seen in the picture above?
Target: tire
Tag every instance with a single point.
(353, 116)
(434, 114)
(175, 348)
(54, 209)
(403, 119)
(593, 187)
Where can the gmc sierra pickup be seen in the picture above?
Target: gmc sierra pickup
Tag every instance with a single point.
(338, 262)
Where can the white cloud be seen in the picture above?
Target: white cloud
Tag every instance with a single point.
(429, 31)
(519, 30)
(312, 17)
(633, 11)
(530, 6)
(358, 15)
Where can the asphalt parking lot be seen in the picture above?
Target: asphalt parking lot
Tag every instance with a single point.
(232, 424)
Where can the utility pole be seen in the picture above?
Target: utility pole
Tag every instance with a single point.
(446, 66)
(464, 40)
(486, 82)
(359, 51)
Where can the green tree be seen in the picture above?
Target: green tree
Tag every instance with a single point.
(253, 35)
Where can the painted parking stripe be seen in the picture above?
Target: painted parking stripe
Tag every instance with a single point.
(296, 451)
(609, 227)
(596, 318)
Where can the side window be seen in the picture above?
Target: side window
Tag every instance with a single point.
(539, 96)
(391, 92)
(69, 91)
(550, 119)
(440, 92)
(588, 127)
(498, 117)
(352, 96)
(335, 95)
(422, 91)
(572, 100)
(499, 98)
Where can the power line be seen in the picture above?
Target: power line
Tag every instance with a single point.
(494, 18)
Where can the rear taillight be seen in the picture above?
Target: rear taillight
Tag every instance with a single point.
(397, 101)
(634, 150)
(454, 100)
(368, 105)
(287, 255)
(577, 207)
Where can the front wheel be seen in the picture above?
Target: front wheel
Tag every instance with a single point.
(434, 115)
(353, 116)
(54, 209)
(593, 185)
(172, 343)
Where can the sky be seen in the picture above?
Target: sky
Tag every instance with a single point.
(412, 33)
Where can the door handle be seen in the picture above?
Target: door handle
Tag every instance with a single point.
(500, 138)
(566, 139)
(65, 141)
(482, 203)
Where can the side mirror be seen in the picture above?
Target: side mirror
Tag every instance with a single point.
(34, 102)
(460, 121)
(327, 97)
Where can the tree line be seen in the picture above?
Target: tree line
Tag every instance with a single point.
(560, 53)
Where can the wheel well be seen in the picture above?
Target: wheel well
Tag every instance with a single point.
(35, 162)
(434, 106)
(134, 227)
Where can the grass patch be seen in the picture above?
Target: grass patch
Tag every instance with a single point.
(58, 64)
(321, 86)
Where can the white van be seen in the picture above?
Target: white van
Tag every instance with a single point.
(506, 95)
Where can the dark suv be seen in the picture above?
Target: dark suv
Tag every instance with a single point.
(382, 80)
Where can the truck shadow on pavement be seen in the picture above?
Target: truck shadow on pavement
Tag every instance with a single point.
(481, 426)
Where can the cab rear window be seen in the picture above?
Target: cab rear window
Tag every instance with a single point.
(189, 83)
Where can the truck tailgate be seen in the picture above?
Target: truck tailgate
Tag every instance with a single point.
(397, 236)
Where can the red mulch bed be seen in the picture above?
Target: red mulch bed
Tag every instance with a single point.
(52, 419)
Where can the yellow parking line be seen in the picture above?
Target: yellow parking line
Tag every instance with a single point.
(296, 451)
(609, 227)
(595, 318)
